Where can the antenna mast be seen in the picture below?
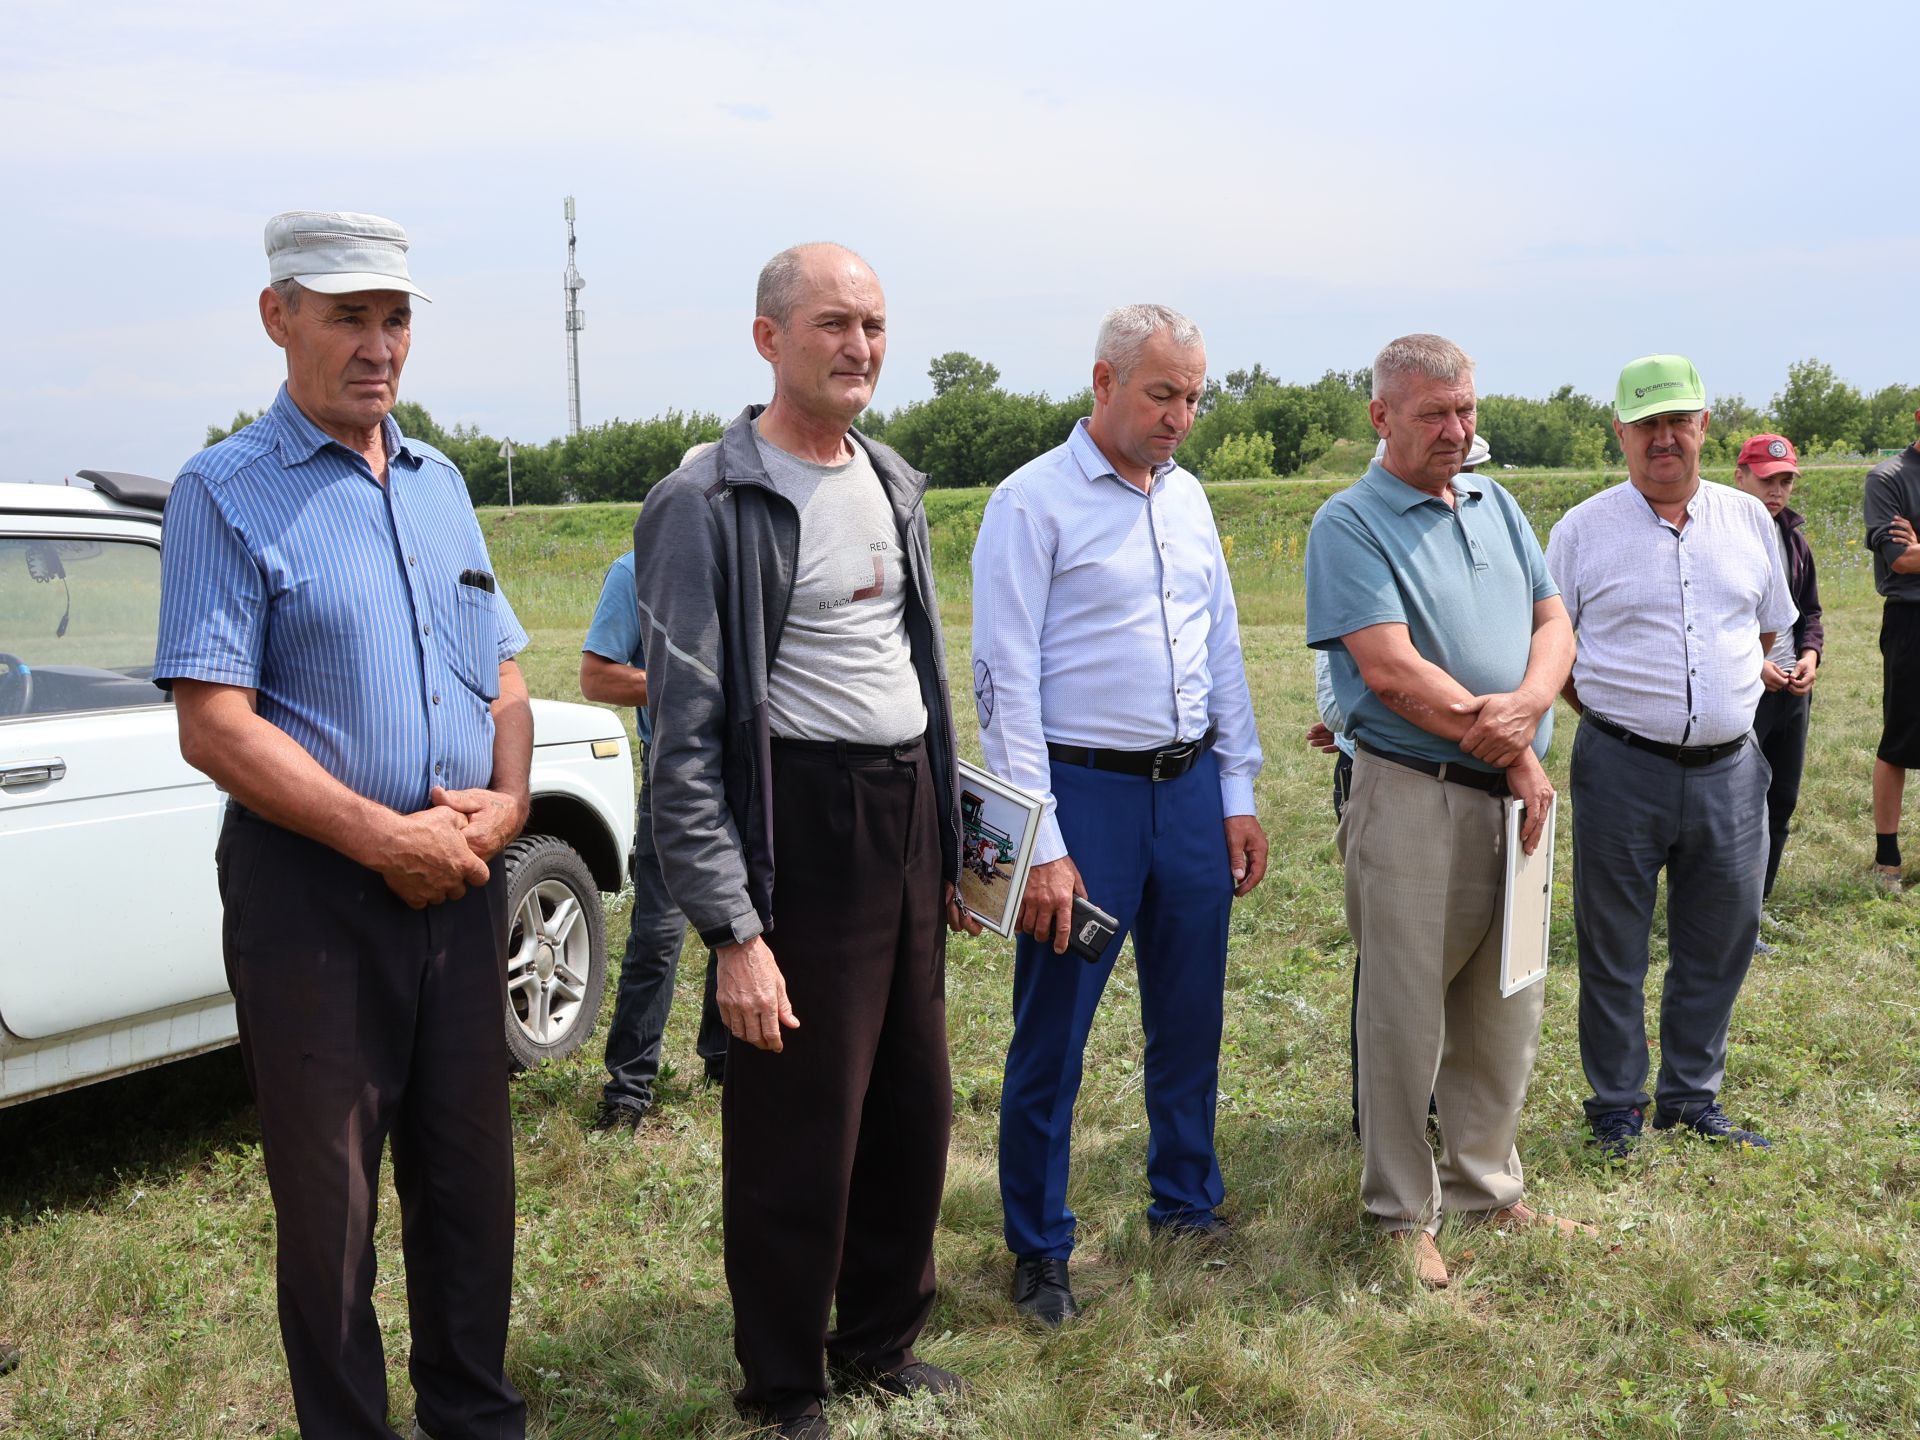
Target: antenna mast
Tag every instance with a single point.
(576, 321)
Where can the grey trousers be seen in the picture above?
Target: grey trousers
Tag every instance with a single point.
(1634, 815)
(1425, 885)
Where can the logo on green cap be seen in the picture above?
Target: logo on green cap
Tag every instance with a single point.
(1658, 383)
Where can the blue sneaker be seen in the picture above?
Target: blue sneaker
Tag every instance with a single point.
(1614, 1131)
(1712, 1124)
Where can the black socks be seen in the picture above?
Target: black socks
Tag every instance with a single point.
(1886, 849)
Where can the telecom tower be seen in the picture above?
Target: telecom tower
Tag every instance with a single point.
(576, 320)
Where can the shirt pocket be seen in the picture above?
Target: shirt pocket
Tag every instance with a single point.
(475, 649)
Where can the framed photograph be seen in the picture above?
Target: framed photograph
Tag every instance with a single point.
(998, 825)
(1528, 911)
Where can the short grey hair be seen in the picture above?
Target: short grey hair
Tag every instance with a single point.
(782, 276)
(1125, 331)
(290, 291)
(1432, 356)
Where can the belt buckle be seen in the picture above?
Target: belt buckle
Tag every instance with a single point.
(1165, 757)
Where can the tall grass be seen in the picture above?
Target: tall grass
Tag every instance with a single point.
(1734, 1294)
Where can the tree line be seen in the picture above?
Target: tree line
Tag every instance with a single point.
(1252, 425)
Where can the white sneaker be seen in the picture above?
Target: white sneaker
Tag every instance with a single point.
(1887, 877)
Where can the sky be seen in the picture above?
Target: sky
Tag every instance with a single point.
(1557, 188)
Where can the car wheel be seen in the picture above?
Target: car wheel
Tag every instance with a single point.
(556, 950)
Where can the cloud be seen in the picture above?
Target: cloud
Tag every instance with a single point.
(1305, 182)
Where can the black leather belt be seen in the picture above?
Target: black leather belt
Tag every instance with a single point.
(1494, 782)
(1169, 763)
(1679, 754)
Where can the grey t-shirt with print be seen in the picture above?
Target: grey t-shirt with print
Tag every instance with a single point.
(844, 668)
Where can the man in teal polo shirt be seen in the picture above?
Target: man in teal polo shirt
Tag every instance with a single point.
(1447, 643)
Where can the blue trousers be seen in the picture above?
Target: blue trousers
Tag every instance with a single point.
(1634, 815)
(655, 931)
(1154, 856)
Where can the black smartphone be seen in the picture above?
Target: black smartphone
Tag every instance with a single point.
(1093, 930)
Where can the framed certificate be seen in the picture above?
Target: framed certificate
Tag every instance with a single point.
(1528, 911)
(998, 825)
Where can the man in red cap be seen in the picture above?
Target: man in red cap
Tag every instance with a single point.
(1766, 470)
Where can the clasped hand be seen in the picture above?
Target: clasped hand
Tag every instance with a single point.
(1797, 681)
(437, 854)
(1503, 726)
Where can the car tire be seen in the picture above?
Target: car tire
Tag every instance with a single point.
(556, 951)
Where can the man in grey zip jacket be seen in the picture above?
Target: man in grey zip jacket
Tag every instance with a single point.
(805, 808)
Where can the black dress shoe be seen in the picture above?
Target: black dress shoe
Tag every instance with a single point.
(811, 1426)
(1208, 1234)
(918, 1378)
(804, 1427)
(1040, 1289)
(614, 1116)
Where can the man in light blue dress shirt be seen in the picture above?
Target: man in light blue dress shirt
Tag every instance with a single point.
(1108, 678)
(1676, 589)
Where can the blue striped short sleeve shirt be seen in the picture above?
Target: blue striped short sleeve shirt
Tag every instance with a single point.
(286, 567)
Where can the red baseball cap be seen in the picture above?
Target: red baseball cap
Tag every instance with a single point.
(1766, 455)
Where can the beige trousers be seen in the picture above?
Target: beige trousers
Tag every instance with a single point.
(1425, 881)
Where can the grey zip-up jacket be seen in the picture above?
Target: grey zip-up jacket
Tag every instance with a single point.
(714, 552)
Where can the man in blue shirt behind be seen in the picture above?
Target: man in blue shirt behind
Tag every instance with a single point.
(1108, 678)
(613, 671)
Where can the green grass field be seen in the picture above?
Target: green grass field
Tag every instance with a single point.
(1734, 1294)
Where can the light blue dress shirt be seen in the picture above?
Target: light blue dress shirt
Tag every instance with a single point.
(1328, 704)
(287, 568)
(1103, 616)
(1669, 621)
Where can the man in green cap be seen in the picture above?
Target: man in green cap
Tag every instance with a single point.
(1676, 591)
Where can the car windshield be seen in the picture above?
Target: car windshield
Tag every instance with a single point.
(78, 619)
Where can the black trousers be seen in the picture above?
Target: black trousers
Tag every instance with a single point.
(1780, 725)
(644, 996)
(362, 1020)
(834, 1151)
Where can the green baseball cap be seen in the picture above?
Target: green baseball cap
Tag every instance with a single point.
(1658, 385)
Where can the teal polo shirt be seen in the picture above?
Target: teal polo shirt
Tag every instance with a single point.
(1462, 578)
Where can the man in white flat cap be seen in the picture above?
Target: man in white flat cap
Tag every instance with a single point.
(342, 663)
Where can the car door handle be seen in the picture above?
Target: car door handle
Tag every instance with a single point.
(33, 772)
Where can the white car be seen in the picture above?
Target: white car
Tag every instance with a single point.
(111, 960)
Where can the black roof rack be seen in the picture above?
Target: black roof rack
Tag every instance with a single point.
(142, 490)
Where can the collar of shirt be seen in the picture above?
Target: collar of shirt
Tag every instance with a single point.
(1093, 461)
(1692, 507)
(1403, 497)
(299, 439)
